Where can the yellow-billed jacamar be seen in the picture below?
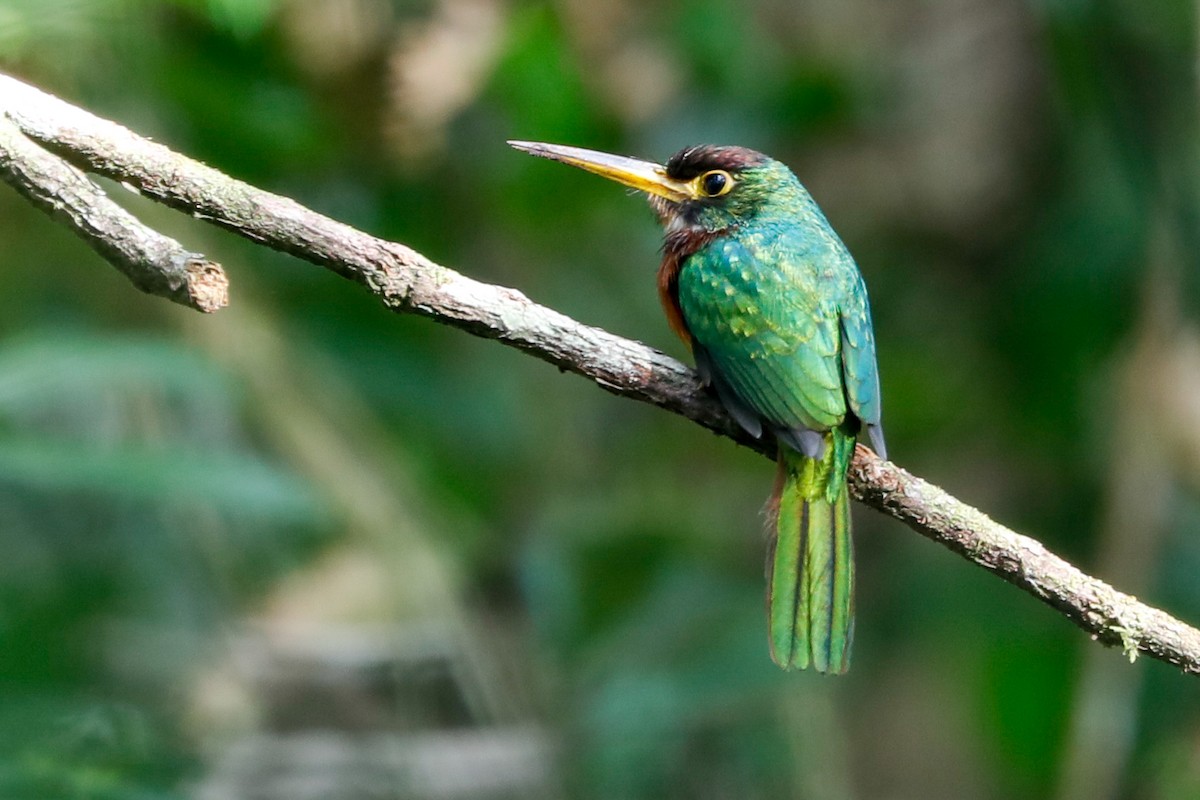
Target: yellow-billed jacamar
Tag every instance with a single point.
(775, 310)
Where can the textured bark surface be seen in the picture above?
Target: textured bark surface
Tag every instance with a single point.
(1111, 617)
(154, 263)
(408, 282)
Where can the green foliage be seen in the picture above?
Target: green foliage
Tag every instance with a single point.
(128, 491)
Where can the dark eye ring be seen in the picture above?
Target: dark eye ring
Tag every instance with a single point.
(716, 182)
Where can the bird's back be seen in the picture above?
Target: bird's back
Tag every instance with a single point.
(764, 303)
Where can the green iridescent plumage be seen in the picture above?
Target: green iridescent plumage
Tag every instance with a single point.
(810, 566)
(776, 313)
(778, 309)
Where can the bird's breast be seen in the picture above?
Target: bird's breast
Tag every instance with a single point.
(682, 242)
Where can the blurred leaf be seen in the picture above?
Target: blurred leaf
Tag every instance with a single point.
(169, 476)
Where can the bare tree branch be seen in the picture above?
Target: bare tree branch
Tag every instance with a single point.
(1111, 617)
(407, 282)
(154, 263)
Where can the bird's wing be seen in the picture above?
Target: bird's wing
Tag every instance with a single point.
(858, 356)
(859, 369)
(770, 331)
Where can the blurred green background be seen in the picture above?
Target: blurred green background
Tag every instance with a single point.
(305, 548)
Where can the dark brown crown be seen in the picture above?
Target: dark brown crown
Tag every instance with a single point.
(698, 159)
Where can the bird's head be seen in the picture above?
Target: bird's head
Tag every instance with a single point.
(706, 188)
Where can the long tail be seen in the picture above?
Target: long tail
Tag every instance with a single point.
(810, 564)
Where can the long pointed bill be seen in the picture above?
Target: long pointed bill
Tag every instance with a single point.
(645, 176)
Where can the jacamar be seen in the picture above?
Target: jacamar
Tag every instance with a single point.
(775, 311)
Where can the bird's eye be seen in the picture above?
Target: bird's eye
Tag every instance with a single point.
(715, 183)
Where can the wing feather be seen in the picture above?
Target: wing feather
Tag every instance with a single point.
(762, 309)
(860, 369)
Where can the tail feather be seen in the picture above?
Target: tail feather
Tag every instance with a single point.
(810, 564)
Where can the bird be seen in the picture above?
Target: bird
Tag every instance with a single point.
(756, 282)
